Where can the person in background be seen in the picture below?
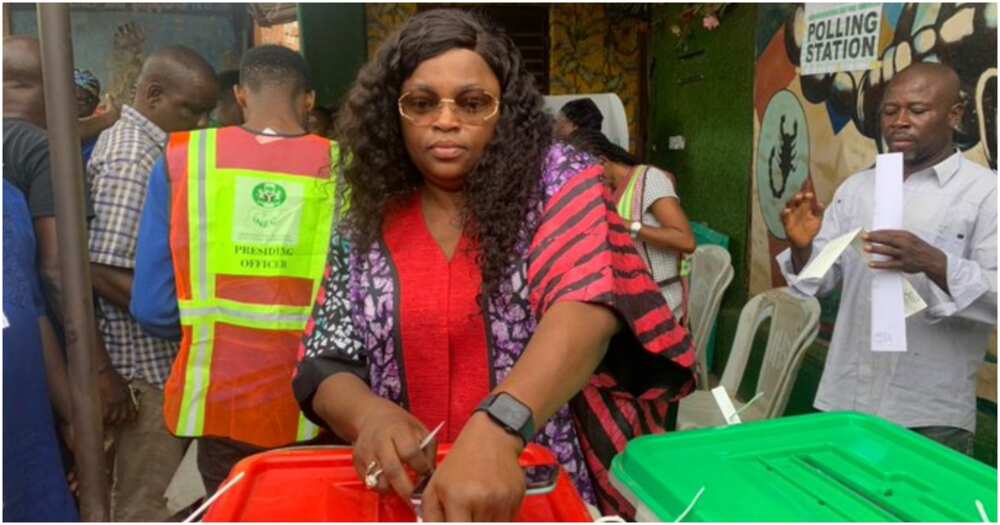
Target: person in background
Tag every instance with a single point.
(320, 121)
(946, 249)
(88, 92)
(244, 405)
(649, 204)
(227, 111)
(581, 113)
(483, 280)
(94, 116)
(175, 91)
(26, 167)
(34, 376)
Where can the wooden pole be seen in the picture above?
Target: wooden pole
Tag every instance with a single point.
(66, 165)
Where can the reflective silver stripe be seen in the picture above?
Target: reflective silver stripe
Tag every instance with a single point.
(243, 314)
(195, 404)
(202, 227)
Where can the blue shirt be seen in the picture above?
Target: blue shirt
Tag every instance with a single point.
(155, 306)
(87, 149)
(34, 482)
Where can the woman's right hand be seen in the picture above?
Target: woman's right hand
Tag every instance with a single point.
(391, 436)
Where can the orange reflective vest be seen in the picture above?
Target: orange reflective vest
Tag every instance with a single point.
(250, 224)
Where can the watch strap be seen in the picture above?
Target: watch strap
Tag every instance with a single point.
(523, 427)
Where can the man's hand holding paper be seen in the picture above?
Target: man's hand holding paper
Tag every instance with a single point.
(908, 253)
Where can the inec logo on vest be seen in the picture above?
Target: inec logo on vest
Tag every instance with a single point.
(267, 211)
(269, 195)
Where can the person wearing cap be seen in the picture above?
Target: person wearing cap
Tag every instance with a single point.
(94, 116)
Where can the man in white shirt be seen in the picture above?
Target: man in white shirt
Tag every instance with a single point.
(947, 250)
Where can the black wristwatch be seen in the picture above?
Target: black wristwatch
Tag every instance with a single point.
(512, 415)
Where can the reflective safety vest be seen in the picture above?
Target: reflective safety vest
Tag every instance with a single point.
(250, 224)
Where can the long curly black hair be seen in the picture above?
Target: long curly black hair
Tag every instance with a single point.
(507, 179)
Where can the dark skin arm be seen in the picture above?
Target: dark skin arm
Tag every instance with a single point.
(114, 391)
(116, 399)
(48, 263)
(674, 232)
(379, 429)
(57, 378)
(481, 479)
(113, 284)
(55, 370)
(92, 126)
(909, 254)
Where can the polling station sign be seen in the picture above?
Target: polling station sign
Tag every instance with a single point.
(840, 37)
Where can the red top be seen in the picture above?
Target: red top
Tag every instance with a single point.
(445, 356)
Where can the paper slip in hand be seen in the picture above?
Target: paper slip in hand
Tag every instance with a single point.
(888, 322)
(817, 268)
(822, 263)
(912, 302)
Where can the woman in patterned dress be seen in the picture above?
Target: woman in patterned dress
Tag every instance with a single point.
(479, 257)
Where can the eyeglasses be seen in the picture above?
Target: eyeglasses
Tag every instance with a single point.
(473, 107)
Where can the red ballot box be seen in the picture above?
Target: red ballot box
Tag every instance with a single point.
(320, 484)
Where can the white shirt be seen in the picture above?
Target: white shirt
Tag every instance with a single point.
(661, 261)
(953, 207)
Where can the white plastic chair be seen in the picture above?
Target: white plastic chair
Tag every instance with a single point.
(711, 274)
(794, 325)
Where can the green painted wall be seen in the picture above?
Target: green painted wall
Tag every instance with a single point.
(708, 99)
(334, 42)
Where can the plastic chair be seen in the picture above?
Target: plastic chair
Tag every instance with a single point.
(794, 325)
(711, 273)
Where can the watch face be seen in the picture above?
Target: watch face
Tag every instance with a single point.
(508, 410)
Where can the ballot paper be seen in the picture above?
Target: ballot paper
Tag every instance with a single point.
(726, 405)
(888, 313)
(821, 264)
(912, 302)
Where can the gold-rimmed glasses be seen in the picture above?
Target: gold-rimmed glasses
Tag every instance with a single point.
(474, 107)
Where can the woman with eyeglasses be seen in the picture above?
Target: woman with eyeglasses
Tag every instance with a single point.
(481, 281)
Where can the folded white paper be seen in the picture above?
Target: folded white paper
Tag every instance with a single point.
(726, 405)
(822, 263)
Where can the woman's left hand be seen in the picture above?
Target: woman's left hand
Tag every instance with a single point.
(480, 479)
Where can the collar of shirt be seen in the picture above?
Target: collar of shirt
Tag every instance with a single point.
(944, 170)
(132, 116)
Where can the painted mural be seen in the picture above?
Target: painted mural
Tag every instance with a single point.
(596, 50)
(592, 50)
(814, 131)
(382, 19)
(112, 40)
